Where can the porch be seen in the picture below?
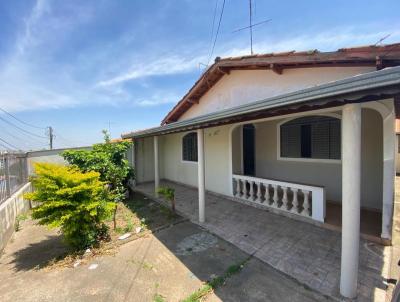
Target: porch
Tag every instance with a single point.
(307, 252)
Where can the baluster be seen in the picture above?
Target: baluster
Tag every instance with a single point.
(237, 187)
(275, 198)
(244, 182)
(267, 195)
(306, 204)
(251, 191)
(295, 202)
(259, 192)
(284, 198)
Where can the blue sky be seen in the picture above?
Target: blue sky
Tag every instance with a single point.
(81, 66)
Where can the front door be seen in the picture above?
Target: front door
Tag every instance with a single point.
(248, 150)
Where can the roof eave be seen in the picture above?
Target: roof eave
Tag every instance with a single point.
(389, 77)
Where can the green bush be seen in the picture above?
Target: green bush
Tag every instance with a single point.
(109, 160)
(76, 202)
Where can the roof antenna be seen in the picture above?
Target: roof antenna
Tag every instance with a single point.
(251, 25)
(381, 39)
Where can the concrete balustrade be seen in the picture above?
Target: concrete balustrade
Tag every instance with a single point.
(304, 200)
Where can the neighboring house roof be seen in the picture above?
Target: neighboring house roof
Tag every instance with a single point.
(379, 56)
(361, 88)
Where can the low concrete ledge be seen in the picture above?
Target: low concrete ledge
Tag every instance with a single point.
(9, 210)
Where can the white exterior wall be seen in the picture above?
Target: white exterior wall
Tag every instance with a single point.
(144, 163)
(328, 175)
(246, 86)
(217, 149)
(171, 165)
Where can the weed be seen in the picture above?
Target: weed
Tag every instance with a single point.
(18, 220)
(158, 298)
(216, 282)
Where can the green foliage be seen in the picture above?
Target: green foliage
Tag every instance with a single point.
(76, 202)
(216, 282)
(168, 193)
(108, 159)
(20, 217)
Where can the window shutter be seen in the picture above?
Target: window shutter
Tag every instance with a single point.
(320, 140)
(335, 139)
(290, 141)
(189, 147)
(324, 143)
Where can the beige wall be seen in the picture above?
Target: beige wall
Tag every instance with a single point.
(326, 174)
(48, 156)
(9, 211)
(171, 165)
(217, 156)
(246, 86)
(144, 161)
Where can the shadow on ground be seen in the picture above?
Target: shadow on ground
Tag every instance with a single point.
(39, 254)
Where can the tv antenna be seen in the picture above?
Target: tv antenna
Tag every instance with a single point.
(251, 25)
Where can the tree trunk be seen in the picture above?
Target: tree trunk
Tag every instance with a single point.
(115, 216)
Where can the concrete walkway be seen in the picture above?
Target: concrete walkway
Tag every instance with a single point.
(306, 252)
(171, 264)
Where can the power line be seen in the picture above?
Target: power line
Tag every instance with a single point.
(213, 22)
(251, 27)
(27, 138)
(4, 146)
(21, 129)
(11, 145)
(21, 121)
(216, 34)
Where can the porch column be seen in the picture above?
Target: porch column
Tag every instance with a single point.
(201, 172)
(389, 172)
(156, 167)
(351, 189)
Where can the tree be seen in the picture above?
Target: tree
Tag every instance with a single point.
(109, 160)
(76, 202)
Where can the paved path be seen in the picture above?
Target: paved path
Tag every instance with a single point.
(172, 263)
(309, 253)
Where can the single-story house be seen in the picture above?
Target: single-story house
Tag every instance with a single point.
(307, 134)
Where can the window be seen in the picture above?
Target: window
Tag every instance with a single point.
(189, 147)
(316, 137)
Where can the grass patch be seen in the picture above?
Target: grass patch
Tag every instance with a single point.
(158, 298)
(216, 282)
(18, 220)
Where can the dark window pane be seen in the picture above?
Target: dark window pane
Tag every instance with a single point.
(189, 147)
(311, 137)
(306, 141)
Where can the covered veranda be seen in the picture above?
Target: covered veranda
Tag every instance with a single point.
(283, 233)
(306, 252)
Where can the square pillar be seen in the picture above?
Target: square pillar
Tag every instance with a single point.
(156, 167)
(389, 173)
(201, 174)
(351, 192)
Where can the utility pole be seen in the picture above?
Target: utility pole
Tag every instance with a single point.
(51, 137)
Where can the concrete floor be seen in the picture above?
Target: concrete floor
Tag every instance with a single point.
(370, 221)
(306, 252)
(172, 263)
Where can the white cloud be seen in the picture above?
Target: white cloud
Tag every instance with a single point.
(159, 67)
(28, 35)
(31, 78)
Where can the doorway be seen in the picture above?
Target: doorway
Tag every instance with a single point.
(249, 150)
